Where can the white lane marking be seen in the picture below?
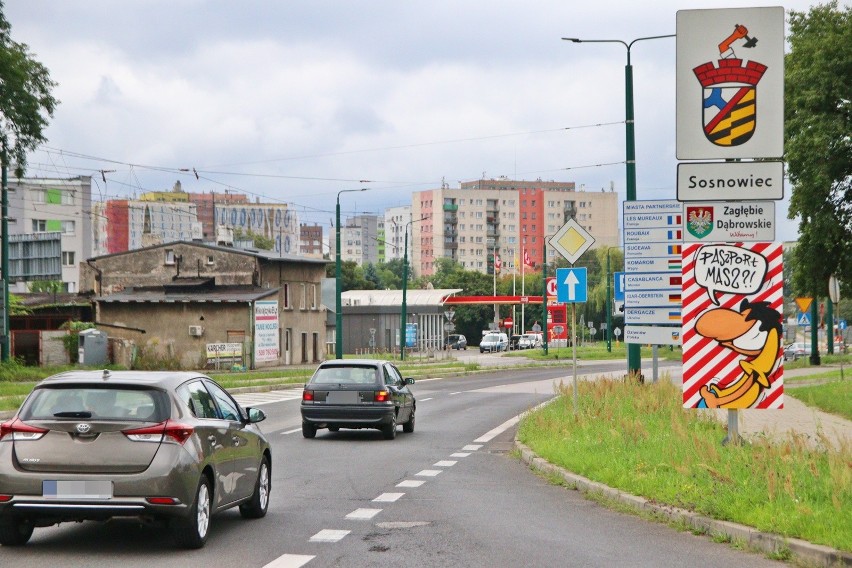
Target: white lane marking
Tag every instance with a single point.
(460, 455)
(445, 463)
(290, 561)
(257, 398)
(293, 431)
(388, 497)
(328, 535)
(455, 393)
(411, 483)
(363, 514)
(425, 399)
(471, 447)
(488, 436)
(429, 472)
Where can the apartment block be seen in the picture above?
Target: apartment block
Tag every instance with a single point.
(505, 219)
(50, 219)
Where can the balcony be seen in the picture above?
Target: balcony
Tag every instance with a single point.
(452, 219)
(451, 207)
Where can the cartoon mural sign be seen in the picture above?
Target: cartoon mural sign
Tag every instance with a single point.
(732, 313)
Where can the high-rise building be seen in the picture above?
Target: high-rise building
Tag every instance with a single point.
(396, 223)
(310, 240)
(504, 219)
(359, 239)
(50, 222)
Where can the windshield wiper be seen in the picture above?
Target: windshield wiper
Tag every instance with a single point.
(73, 414)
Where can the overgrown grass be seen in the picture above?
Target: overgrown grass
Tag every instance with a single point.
(638, 438)
(834, 397)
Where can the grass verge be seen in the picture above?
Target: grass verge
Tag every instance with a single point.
(639, 439)
(834, 397)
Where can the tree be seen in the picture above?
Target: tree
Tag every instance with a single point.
(26, 101)
(818, 145)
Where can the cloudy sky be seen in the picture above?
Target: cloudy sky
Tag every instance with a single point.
(294, 101)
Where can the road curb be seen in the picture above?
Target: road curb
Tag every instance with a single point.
(812, 554)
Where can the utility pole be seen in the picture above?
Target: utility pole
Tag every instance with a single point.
(4, 264)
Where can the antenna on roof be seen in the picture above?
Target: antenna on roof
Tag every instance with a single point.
(106, 375)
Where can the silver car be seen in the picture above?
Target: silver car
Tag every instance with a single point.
(159, 446)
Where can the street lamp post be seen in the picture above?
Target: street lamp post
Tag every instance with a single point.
(338, 311)
(634, 357)
(404, 308)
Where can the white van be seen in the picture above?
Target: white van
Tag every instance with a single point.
(494, 342)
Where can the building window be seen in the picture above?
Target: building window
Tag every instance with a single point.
(68, 258)
(313, 296)
(68, 227)
(286, 293)
(303, 300)
(39, 225)
(170, 256)
(209, 259)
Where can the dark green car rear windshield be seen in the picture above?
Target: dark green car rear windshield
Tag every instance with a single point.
(345, 374)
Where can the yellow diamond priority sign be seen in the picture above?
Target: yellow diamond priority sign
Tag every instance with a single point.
(572, 240)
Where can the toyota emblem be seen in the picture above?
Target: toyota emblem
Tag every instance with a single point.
(84, 428)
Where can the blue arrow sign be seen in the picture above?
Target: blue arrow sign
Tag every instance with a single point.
(618, 289)
(571, 285)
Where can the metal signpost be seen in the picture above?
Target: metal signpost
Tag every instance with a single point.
(834, 297)
(572, 288)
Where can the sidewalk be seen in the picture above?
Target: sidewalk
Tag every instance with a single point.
(795, 417)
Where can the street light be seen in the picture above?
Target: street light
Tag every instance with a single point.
(634, 356)
(402, 315)
(338, 320)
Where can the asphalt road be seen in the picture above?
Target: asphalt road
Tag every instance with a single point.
(450, 494)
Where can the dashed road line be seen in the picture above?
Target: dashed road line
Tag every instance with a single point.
(290, 561)
(293, 431)
(363, 514)
(460, 454)
(425, 399)
(471, 447)
(388, 497)
(445, 463)
(429, 472)
(329, 535)
(411, 483)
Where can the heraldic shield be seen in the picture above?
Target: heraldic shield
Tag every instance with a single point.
(729, 100)
(699, 221)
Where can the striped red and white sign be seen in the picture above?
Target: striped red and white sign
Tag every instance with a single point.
(720, 277)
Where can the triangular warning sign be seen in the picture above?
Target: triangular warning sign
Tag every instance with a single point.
(804, 303)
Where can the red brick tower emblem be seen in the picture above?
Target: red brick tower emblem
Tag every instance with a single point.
(729, 94)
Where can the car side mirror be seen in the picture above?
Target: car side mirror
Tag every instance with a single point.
(255, 415)
(409, 380)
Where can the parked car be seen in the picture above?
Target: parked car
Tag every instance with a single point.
(456, 341)
(358, 393)
(492, 342)
(530, 341)
(92, 445)
(796, 350)
(513, 342)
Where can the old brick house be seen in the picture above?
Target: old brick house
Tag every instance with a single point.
(186, 298)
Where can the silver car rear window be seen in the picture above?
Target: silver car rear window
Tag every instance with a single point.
(110, 403)
(362, 375)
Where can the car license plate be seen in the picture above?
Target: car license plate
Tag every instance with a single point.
(95, 490)
(342, 397)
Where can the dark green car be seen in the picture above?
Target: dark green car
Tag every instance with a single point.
(358, 393)
(172, 447)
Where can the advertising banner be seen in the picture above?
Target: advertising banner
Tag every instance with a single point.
(266, 346)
